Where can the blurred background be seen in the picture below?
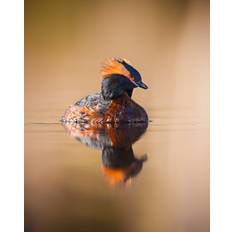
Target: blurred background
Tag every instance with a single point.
(66, 42)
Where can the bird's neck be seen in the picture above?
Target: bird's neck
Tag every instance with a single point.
(129, 92)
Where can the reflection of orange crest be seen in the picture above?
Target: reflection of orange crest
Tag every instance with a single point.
(115, 66)
(114, 176)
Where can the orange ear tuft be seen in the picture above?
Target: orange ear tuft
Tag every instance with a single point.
(114, 66)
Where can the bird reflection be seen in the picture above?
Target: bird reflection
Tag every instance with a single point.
(119, 164)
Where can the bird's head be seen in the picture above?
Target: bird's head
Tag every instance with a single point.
(119, 77)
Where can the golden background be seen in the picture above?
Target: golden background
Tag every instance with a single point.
(65, 44)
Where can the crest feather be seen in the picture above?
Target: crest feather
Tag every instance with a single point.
(114, 66)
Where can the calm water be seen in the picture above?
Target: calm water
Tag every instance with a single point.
(68, 190)
(126, 179)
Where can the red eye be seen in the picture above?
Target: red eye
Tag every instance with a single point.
(131, 77)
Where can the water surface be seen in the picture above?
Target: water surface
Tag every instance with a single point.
(66, 189)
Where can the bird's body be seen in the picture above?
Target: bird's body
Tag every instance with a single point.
(94, 109)
(113, 104)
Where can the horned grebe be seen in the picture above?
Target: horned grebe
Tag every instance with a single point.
(113, 104)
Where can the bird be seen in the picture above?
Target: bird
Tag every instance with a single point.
(113, 103)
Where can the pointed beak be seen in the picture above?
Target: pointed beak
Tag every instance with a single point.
(141, 85)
